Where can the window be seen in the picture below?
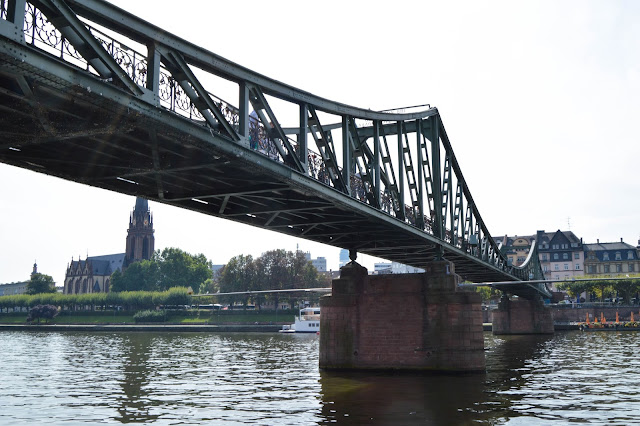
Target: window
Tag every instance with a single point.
(555, 256)
(592, 256)
(632, 267)
(566, 266)
(556, 267)
(544, 257)
(555, 246)
(618, 268)
(574, 244)
(564, 246)
(565, 256)
(605, 256)
(629, 254)
(606, 269)
(577, 266)
(576, 255)
(618, 255)
(592, 269)
(546, 268)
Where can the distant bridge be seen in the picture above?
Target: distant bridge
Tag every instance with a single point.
(93, 94)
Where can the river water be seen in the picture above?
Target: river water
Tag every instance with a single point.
(273, 379)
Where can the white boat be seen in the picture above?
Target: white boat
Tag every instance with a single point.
(308, 321)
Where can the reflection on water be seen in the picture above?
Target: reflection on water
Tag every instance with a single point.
(198, 378)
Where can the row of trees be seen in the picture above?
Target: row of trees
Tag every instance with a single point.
(624, 289)
(168, 268)
(129, 300)
(273, 270)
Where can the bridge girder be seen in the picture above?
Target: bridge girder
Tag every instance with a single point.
(151, 128)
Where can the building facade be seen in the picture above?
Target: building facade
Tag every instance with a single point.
(611, 259)
(93, 275)
(561, 255)
(516, 249)
(18, 287)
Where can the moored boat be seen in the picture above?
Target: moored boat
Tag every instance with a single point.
(307, 321)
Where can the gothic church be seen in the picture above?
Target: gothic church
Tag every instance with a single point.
(93, 275)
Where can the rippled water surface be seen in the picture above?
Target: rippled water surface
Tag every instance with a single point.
(245, 378)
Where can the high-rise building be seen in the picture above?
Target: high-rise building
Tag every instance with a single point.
(344, 257)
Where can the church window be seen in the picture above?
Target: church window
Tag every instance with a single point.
(145, 249)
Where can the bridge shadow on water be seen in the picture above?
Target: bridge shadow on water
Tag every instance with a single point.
(378, 398)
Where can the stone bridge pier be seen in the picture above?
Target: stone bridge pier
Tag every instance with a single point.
(522, 316)
(401, 322)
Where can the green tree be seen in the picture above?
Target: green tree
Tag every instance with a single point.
(139, 276)
(41, 283)
(239, 274)
(181, 269)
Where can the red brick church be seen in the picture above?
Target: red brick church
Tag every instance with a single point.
(93, 275)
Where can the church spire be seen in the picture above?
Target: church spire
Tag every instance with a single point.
(140, 239)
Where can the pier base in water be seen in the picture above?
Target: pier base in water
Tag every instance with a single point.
(522, 317)
(401, 322)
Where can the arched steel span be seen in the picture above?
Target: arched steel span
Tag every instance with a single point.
(93, 94)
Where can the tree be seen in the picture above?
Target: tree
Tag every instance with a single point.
(42, 311)
(239, 274)
(181, 269)
(41, 283)
(139, 276)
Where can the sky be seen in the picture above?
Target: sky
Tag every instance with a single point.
(540, 100)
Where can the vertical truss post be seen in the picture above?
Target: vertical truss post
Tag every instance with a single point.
(153, 69)
(347, 162)
(437, 184)
(420, 182)
(243, 116)
(401, 210)
(303, 147)
(16, 10)
(376, 163)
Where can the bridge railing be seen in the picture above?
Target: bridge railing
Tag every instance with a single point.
(418, 181)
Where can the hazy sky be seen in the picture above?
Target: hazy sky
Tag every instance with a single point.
(539, 100)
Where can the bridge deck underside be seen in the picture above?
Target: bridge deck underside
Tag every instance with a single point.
(107, 139)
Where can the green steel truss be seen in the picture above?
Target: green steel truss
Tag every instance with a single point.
(93, 94)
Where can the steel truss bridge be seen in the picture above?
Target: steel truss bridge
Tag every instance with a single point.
(93, 94)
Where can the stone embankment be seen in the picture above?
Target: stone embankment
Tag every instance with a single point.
(145, 327)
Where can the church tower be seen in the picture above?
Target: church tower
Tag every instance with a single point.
(140, 239)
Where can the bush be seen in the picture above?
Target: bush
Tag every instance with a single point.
(149, 316)
(42, 311)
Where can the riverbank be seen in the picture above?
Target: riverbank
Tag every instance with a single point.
(199, 328)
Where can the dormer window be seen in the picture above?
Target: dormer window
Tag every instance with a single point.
(618, 256)
(605, 256)
(629, 254)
